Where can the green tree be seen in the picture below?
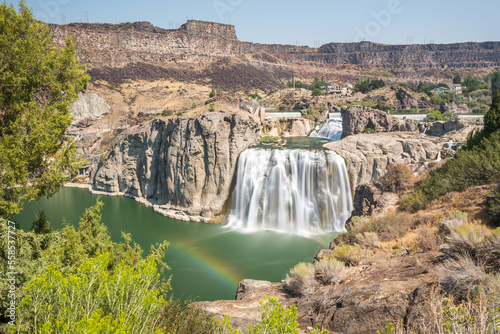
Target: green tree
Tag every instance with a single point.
(38, 83)
(457, 80)
(316, 92)
(41, 224)
(492, 117)
(495, 83)
(129, 299)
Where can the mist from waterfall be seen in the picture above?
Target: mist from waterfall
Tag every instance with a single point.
(292, 190)
(331, 130)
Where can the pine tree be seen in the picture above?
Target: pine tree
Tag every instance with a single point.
(38, 83)
(492, 117)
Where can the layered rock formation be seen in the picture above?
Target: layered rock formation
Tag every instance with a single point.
(116, 45)
(457, 55)
(183, 166)
(368, 155)
(358, 118)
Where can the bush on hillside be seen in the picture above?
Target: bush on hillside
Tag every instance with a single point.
(301, 279)
(387, 227)
(397, 178)
(349, 254)
(479, 165)
(331, 271)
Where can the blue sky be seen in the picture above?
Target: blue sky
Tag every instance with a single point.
(304, 22)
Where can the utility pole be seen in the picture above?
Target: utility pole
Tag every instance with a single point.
(63, 19)
(86, 16)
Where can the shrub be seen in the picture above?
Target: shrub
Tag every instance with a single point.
(331, 271)
(179, 113)
(368, 130)
(474, 166)
(368, 239)
(301, 279)
(460, 276)
(180, 316)
(349, 254)
(211, 108)
(316, 92)
(275, 318)
(439, 314)
(255, 96)
(428, 241)
(166, 113)
(471, 233)
(452, 222)
(387, 227)
(397, 178)
(269, 140)
(128, 299)
(494, 207)
(209, 101)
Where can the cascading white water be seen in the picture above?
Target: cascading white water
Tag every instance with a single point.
(331, 130)
(293, 190)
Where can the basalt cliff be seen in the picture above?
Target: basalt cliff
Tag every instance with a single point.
(143, 51)
(182, 166)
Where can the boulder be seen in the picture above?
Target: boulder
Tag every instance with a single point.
(370, 199)
(88, 106)
(357, 119)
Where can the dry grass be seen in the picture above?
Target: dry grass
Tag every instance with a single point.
(387, 227)
(460, 276)
(440, 315)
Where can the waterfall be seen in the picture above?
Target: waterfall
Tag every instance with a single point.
(331, 130)
(291, 190)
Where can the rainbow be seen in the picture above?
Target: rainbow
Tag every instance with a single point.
(208, 263)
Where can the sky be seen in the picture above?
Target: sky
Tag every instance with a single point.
(312, 23)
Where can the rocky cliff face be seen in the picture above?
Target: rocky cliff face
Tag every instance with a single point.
(357, 118)
(183, 166)
(116, 45)
(368, 155)
(456, 55)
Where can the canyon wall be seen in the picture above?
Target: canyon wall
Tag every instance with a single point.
(183, 166)
(116, 45)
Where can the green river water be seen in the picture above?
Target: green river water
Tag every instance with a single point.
(207, 261)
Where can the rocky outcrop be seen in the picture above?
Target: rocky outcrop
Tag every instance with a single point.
(287, 127)
(461, 108)
(400, 98)
(88, 106)
(370, 199)
(368, 155)
(456, 128)
(376, 294)
(357, 119)
(183, 166)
